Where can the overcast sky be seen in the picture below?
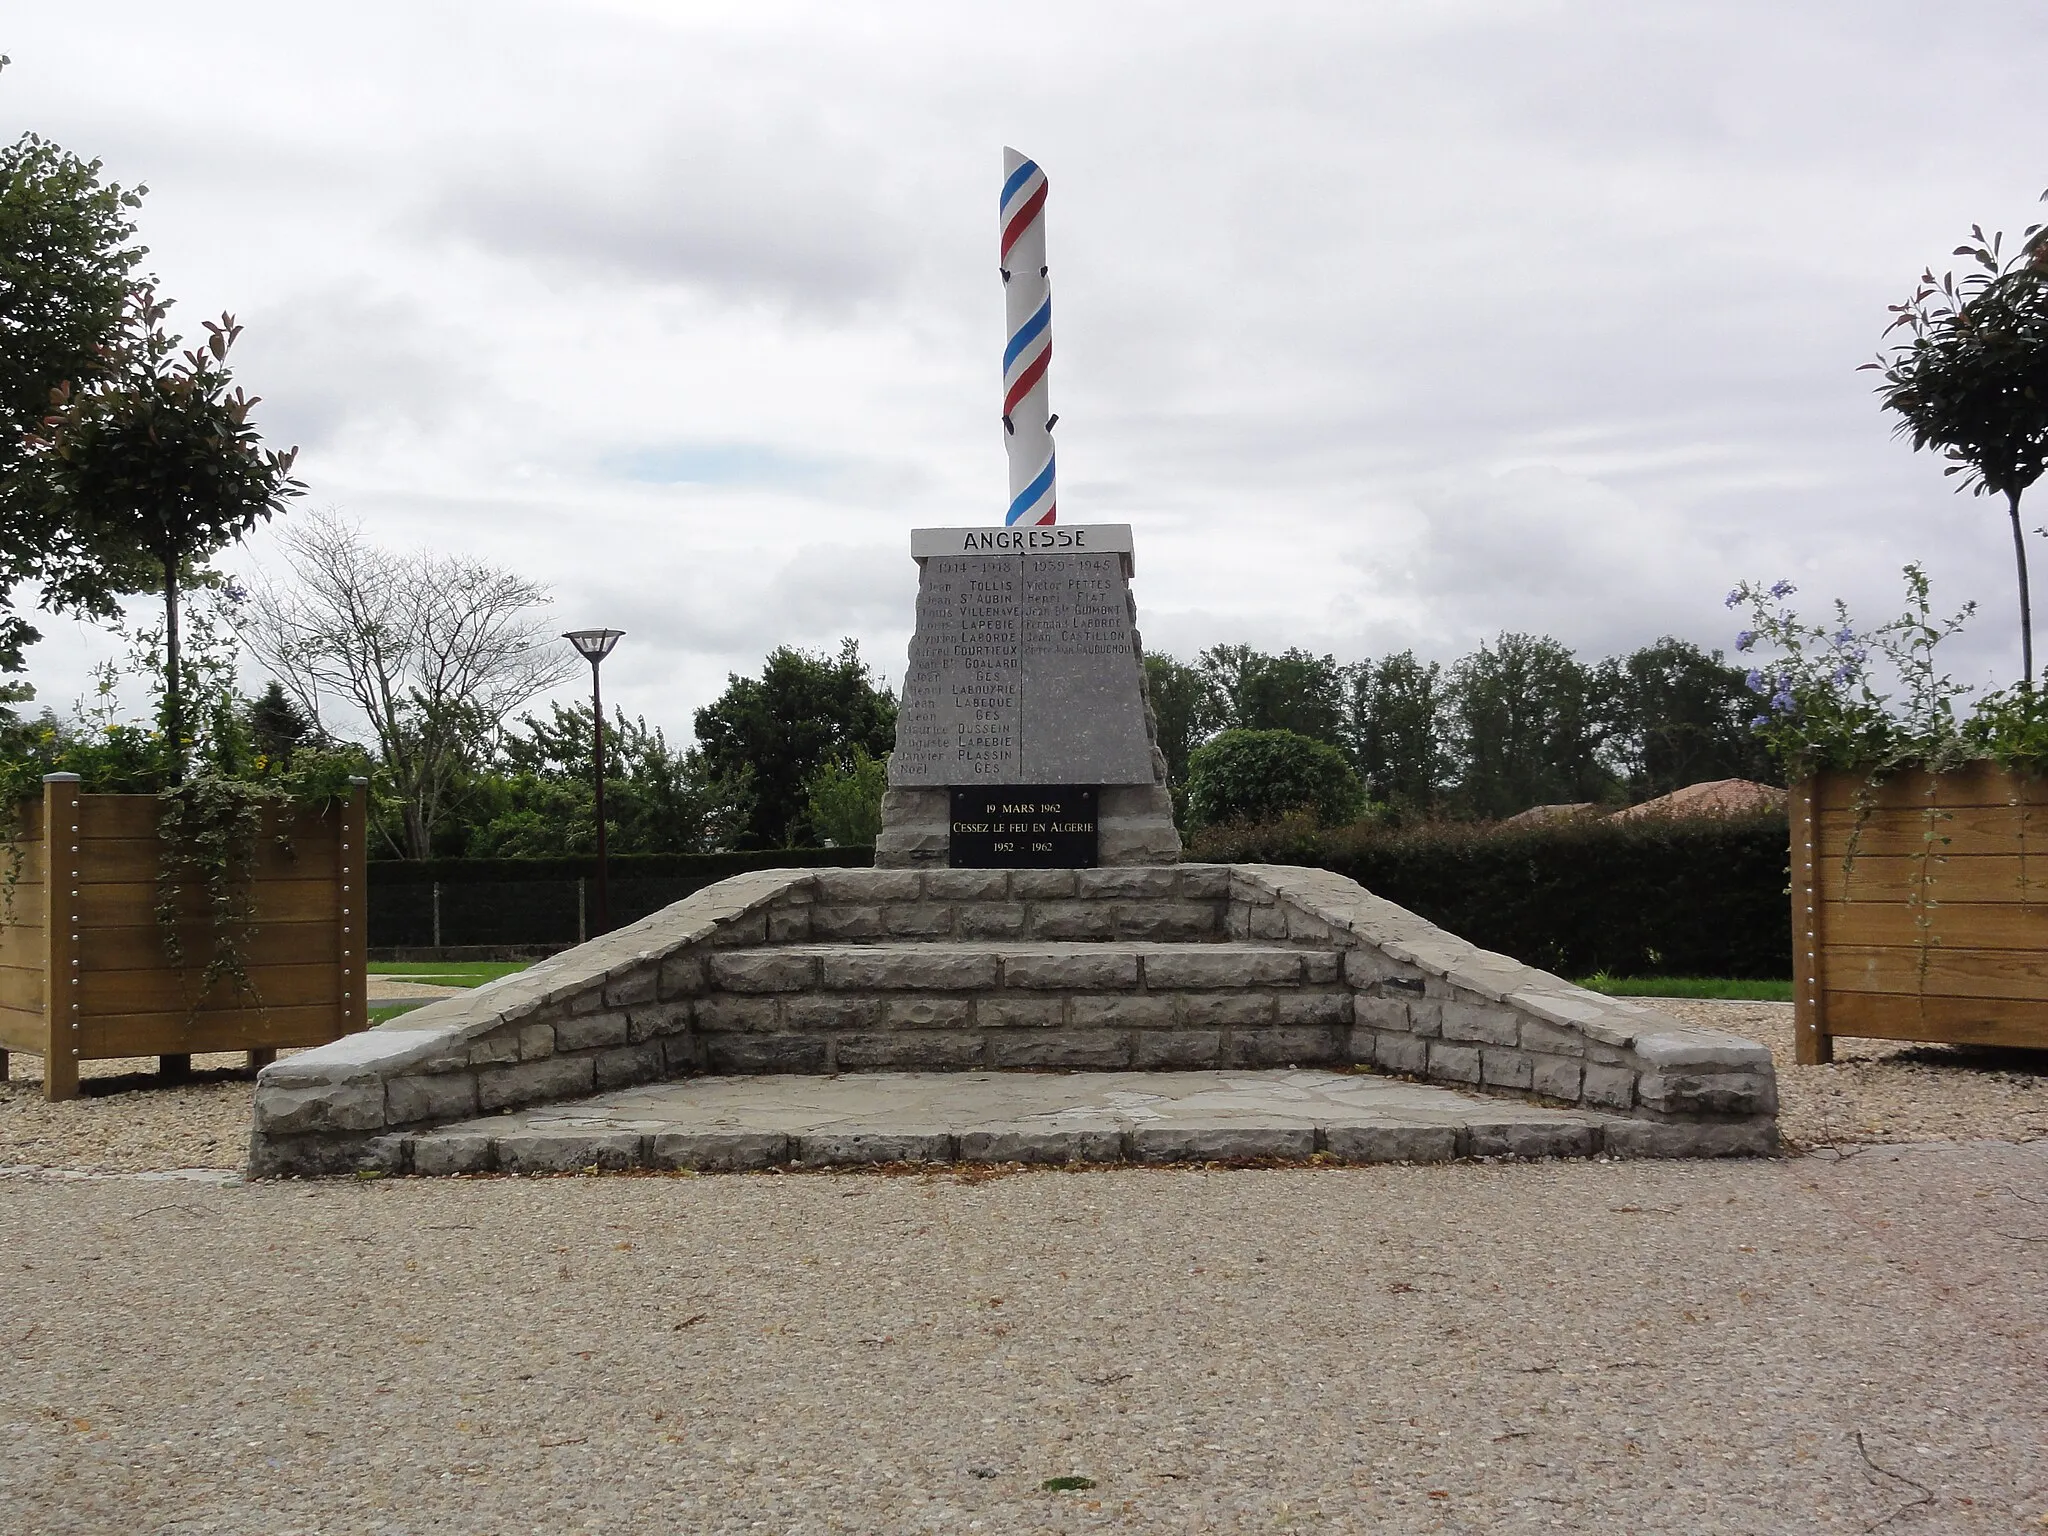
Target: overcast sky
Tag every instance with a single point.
(1385, 325)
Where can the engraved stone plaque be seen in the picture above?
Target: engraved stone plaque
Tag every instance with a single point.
(1084, 709)
(1023, 827)
(960, 720)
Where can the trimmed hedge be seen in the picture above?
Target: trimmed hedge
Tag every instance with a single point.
(536, 903)
(1702, 896)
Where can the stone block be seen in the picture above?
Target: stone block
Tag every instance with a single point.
(1200, 1009)
(1301, 1047)
(625, 1065)
(1237, 922)
(322, 1109)
(928, 1013)
(1393, 1143)
(918, 920)
(731, 1015)
(1500, 1067)
(829, 1149)
(1020, 1012)
(1222, 1143)
(1607, 1087)
(1707, 1093)
(1312, 1008)
(1322, 968)
(830, 1013)
(1041, 884)
(1176, 1050)
(1609, 1055)
(830, 923)
(1381, 1012)
(966, 884)
(1126, 884)
(1130, 1011)
(989, 920)
(1557, 1077)
(1552, 1039)
(542, 1152)
(381, 1154)
(443, 1153)
(536, 1042)
(718, 1151)
(1072, 920)
(1216, 966)
(657, 1019)
(1266, 923)
(867, 887)
(743, 1055)
(916, 1050)
(585, 1002)
(1139, 843)
(592, 1031)
(1305, 927)
(681, 976)
(682, 1055)
(1042, 1144)
(1095, 972)
(909, 969)
(443, 1096)
(763, 970)
(1094, 1050)
(789, 925)
(1484, 1023)
(1406, 1054)
(1509, 1136)
(1679, 1138)
(1453, 1063)
(636, 987)
(535, 1082)
(1165, 921)
(747, 929)
(500, 1045)
(1203, 882)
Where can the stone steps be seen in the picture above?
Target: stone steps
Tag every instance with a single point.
(953, 1005)
(738, 1123)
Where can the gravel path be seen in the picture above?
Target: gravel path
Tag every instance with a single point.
(1875, 1092)
(1642, 1347)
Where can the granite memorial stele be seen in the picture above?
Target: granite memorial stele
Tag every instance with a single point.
(1026, 738)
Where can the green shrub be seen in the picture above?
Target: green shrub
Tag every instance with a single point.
(846, 799)
(1255, 776)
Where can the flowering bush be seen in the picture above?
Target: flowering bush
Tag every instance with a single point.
(1834, 696)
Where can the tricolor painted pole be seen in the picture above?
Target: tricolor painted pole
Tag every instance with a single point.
(1027, 306)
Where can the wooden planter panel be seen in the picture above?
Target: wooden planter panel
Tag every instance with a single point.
(93, 930)
(1922, 915)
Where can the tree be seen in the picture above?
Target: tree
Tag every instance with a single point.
(434, 651)
(802, 711)
(1679, 716)
(1396, 731)
(1970, 378)
(155, 467)
(277, 726)
(1527, 727)
(846, 800)
(1182, 706)
(67, 259)
(1294, 691)
(1255, 776)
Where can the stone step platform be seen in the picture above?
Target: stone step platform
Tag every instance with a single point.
(729, 1124)
(952, 1005)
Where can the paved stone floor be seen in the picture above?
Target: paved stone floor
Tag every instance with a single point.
(881, 1117)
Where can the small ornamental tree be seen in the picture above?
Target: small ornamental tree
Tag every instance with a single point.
(1970, 378)
(1256, 776)
(156, 467)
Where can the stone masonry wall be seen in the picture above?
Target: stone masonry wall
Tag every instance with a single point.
(811, 971)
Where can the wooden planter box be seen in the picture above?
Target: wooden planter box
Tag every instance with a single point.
(83, 974)
(1924, 917)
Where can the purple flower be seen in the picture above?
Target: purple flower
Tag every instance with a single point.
(1843, 673)
(1844, 635)
(1782, 589)
(1734, 597)
(1745, 640)
(1755, 682)
(1781, 701)
(1759, 722)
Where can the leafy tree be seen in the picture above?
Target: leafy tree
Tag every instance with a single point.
(1397, 731)
(155, 467)
(1679, 716)
(1255, 776)
(67, 258)
(846, 800)
(1528, 728)
(804, 710)
(277, 725)
(1970, 378)
(1182, 705)
(1294, 691)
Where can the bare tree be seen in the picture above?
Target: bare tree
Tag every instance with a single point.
(433, 650)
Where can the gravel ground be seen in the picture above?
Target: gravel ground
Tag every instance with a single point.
(1645, 1347)
(1874, 1092)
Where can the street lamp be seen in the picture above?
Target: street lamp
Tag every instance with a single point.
(595, 645)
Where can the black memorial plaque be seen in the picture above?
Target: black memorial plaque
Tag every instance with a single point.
(1027, 826)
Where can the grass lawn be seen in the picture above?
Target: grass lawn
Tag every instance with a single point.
(448, 973)
(1690, 986)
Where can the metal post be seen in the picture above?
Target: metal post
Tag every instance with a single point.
(604, 923)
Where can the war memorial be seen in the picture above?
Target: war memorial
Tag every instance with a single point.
(1029, 972)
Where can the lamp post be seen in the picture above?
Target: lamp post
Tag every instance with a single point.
(595, 645)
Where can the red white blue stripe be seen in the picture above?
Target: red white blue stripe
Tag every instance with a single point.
(1027, 305)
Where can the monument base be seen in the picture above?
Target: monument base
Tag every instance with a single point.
(1135, 828)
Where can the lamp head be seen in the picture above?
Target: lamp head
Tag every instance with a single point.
(595, 644)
